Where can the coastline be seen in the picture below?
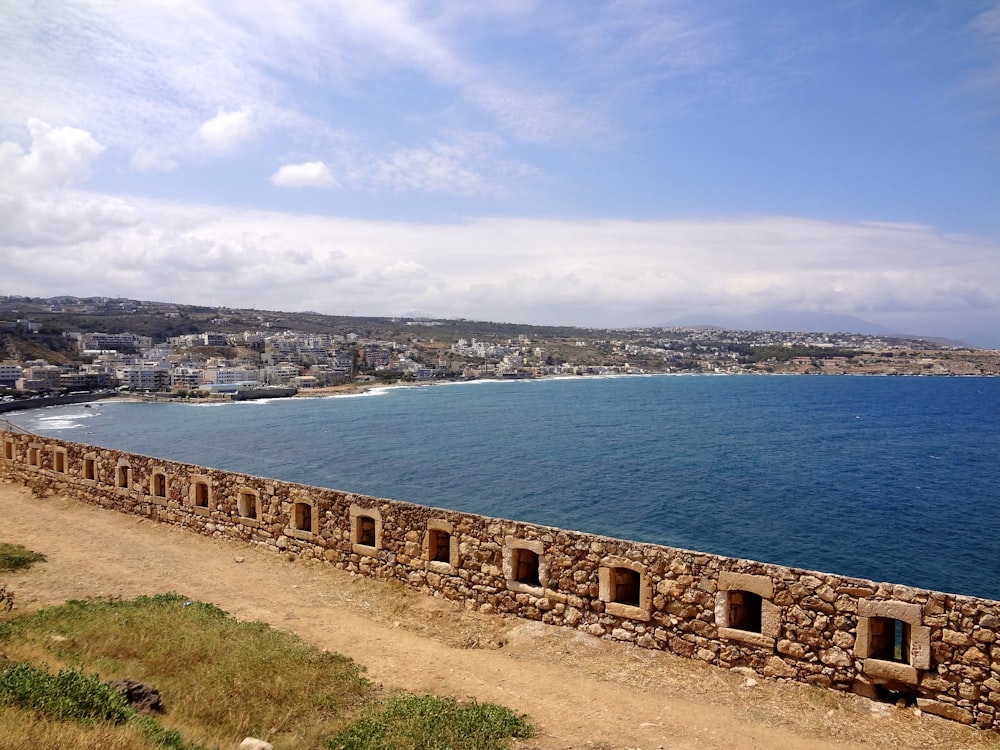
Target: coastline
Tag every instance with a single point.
(361, 389)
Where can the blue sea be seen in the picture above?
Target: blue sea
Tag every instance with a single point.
(893, 479)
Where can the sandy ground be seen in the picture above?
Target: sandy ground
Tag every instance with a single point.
(581, 692)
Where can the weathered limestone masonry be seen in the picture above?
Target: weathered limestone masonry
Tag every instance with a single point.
(885, 641)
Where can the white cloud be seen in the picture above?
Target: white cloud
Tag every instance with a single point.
(153, 73)
(602, 272)
(62, 219)
(36, 208)
(227, 131)
(466, 164)
(57, 157)
(438, 96)
(310, 174)
(149, 160)
(539, 117)
(437, 169)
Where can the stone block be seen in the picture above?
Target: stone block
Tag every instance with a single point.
(704, 654)
(746, 636)
(775, 666)
(647, 641)
(983, 636)
(990, 621)
(968, 691)
(763, 586)
(954, 638)
(903, 611)
(890, 670)
(946, 710)
(792, 649)
(843, 639)
(975, 656)
(836, 657)
(920, 647)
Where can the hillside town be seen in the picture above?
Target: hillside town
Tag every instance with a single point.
(58, 346)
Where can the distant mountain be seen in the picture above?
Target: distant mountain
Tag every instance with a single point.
(810, 322)
(984, 339)
(785, 320)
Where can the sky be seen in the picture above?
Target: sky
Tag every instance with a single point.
(572, 162)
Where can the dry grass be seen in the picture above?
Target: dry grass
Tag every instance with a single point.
(223, 680)
(220, 679)
(23, 730)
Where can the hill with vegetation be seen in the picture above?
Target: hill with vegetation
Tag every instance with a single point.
(38, 329)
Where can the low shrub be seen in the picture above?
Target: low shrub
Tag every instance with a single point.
(71, 695)
(67, 695)
(15, 557)
(275, 684)
(427, 722)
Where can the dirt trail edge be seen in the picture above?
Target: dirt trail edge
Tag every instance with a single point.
(581, 692)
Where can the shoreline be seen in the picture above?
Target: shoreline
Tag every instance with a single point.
(360, 389)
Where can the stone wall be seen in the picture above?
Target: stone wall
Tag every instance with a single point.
(885, 641)
(43, 401)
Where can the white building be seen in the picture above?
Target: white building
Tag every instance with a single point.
(230, 375)
(10, 374)
(188, 377)
(143, 377)
(114, 341)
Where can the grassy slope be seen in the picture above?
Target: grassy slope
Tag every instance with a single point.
(222, 680)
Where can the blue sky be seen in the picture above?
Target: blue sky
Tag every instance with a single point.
(589, 163)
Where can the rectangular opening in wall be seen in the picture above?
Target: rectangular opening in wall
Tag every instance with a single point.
(160, 484)
(890, 639)
(122, 476)
(8, 450)
(33, 456)
(89, 469)
(625, 586)
(439, 545)
(302, 518)
(524, 565)
(59, 461)
(246, 504)
(745, 610)
(201, 494)
(365, 530)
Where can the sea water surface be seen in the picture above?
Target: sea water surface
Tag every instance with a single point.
(887, 478)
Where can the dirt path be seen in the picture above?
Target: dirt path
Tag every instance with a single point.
(580, 692)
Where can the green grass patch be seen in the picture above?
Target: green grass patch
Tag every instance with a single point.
(220, 680)
(15, 557)
(67, 695)
(427, 722)
(71, 695)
